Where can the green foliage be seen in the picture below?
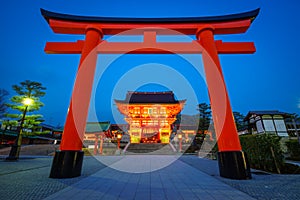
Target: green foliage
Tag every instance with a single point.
(32, 90)
(264, 151)
(293, 147)
(3, 107)
(204, 117)
(196, 144)
(239, 120)
(27, 89)
(87, 152)
(293, 120)
(291, 169)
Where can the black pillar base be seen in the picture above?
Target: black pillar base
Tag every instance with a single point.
(66, 164)
(234, 165)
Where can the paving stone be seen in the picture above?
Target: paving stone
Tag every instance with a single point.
(189, 177)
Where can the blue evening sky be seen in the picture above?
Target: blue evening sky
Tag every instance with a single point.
(266, 80)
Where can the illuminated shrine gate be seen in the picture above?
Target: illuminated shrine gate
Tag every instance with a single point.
(150, 115)
(68, 161)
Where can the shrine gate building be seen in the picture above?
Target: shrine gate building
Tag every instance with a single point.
(150, 115)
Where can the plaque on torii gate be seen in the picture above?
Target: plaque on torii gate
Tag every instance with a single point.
(68, 160)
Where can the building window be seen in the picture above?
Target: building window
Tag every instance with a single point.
(150, 123)
(135, 123)
(145, 110)
(154, 110)
(136, 110)
(163, 111)
(163, 123)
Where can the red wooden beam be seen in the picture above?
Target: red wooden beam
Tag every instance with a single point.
(64, 47)
(69, 27)
(150, 48)
(235, 47)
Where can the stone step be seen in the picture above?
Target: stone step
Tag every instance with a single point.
(149, 148)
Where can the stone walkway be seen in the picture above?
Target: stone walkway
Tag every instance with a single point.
(176, 181)
(27, 179)
(159, 177)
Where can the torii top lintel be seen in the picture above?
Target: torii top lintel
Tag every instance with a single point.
(73, 24)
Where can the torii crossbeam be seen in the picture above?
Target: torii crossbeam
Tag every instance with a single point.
(232, 160)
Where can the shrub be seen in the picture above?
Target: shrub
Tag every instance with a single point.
(293, 148)
(87, 152)
(264, 151)
(290, 168)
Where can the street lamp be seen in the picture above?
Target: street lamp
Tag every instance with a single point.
(119, 137)
(180, 142)
(16, 147)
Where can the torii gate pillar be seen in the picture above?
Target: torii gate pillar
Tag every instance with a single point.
(67, 162)
(232, 161)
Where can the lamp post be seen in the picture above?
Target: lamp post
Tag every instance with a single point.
(16, 147)
(119, 137)
(101, 144)
(180, 142)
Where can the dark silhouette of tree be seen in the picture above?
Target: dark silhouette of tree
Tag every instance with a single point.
(239, 120)
(294, 119)
(3, 107)
(204, 117)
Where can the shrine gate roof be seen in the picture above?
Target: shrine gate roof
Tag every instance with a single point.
(93, 127)
(150, 98)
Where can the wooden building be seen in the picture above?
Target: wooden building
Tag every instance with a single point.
(150, 115)
(272, 122)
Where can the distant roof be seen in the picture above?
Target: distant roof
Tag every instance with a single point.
(94, 127)
(265, 112)
(150, 97)
(223, 18)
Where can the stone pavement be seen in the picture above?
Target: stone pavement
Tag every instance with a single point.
(28, 179)
(164, 177)
(264, 186)
(175, 181)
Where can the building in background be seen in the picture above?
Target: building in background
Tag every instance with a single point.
(94, 130)
(42, 134)
(271, 122)
(150, 115)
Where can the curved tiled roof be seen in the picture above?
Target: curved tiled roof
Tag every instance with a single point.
(149, 97)
(93, 127)
(265, 112)
(223, 18)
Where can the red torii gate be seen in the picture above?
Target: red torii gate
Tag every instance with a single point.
(68, 161)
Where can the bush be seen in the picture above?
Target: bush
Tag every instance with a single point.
(293, 148)
(264, 151)
(87, 152)
(290, 168)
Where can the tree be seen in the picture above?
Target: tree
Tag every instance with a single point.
(26, 100)
(295, 118)
(3, 107)
(204, 117)
(239, 120)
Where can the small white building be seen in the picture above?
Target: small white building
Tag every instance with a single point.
(271, 122)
